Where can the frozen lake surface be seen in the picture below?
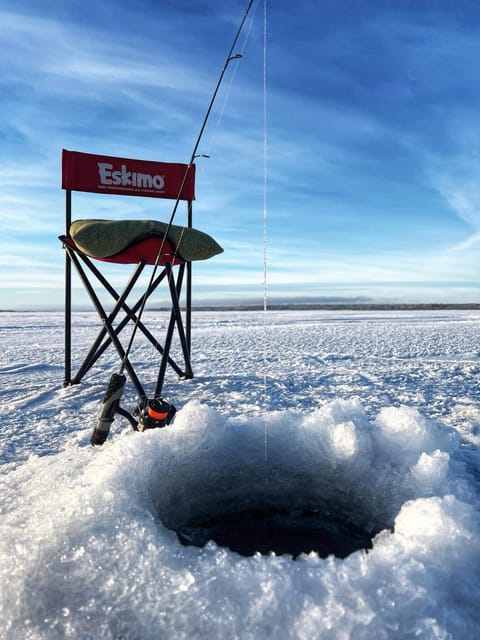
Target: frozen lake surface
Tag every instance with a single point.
(368, 422)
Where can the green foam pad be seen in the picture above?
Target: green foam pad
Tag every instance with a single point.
(105, 238)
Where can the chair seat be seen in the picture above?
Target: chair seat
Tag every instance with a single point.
(144, 251)
(116, 240)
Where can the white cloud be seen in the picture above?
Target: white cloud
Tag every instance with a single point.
(461, 189)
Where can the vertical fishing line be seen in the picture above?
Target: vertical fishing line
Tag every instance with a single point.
(265, 283)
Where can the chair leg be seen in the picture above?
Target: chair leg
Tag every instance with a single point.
(68, 321)
(109, 328)
(188, 310)
(68, 295)
(175, 319)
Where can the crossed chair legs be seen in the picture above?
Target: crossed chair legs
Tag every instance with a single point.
(109, 333)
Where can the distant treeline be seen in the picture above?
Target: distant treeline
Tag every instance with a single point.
(340, 307)
(313, 306)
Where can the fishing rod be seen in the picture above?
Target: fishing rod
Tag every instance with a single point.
(230, 56)
(156, 412)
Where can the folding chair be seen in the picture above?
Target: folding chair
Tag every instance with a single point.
(136, 242)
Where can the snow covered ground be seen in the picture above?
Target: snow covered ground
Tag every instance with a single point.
(366, 421)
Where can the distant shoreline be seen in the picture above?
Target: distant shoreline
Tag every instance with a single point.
(309, 306)
(340, 307)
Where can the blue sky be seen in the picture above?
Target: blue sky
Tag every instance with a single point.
(373, 140)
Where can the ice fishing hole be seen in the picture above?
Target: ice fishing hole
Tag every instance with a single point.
(288, 514)
(278, 531)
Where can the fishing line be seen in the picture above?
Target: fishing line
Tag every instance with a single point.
(265, 273)
(229, 86)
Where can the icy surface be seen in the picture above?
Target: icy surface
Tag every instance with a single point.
(368, 418)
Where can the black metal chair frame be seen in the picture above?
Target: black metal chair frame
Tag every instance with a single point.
(109, 334)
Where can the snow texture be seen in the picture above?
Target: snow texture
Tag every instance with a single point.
(370, 419)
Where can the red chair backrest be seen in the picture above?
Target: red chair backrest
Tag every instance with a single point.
(127, 176)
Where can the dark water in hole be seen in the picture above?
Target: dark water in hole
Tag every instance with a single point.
(255, 531)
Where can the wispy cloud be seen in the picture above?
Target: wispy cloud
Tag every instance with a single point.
(456, 176)
(373, 134)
